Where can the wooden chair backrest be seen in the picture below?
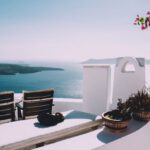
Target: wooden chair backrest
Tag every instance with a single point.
(36, 102)
(7, 110)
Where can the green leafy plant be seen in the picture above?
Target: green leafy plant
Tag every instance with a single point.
(122, 112)
(140, 101)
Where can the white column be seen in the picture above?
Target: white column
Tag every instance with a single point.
(96, 91)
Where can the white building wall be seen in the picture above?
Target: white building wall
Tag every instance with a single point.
(129, 77)
(96, 80)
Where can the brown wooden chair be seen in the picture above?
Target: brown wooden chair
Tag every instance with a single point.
(7, 110)
(35, 102)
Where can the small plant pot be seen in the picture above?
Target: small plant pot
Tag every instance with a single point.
(114, 123)
(142, 116)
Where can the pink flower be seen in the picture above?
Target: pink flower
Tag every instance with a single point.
(148, 13)
(143, 22)
(137, 19)
(143, 27)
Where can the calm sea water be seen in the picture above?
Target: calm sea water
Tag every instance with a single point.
(67, 83)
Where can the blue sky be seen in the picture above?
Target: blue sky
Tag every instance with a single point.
(71, 29)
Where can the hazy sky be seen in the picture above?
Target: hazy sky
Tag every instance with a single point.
(72, 29)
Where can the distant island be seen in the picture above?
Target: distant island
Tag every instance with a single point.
(12, 69)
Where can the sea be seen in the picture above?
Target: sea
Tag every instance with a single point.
(66, 84)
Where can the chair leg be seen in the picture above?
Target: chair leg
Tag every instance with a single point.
(40, 144)
(13, 116)
(19, 114)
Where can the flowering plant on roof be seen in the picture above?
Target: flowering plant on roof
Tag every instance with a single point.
(144, 22)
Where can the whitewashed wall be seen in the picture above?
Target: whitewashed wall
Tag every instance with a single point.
(96, 80)
(129, 77)
(64, 104)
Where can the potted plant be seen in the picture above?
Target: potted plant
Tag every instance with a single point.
(141, 105)
(118, 118)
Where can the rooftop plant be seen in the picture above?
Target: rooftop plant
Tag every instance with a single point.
(122, 112)
(140, 103)
(119, 117)
(137, 105)
(140, 100)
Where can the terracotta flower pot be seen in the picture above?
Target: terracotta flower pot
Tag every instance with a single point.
(142, 115)
(114, 123)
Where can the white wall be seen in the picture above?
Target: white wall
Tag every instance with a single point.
(127, 82)
(96, 80)
(64, 104)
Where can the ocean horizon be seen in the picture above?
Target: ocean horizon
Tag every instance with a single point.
(66, 84)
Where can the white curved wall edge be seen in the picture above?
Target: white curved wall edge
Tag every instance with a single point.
(138, 140)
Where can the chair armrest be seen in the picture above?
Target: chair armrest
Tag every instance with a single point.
(18, 105)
